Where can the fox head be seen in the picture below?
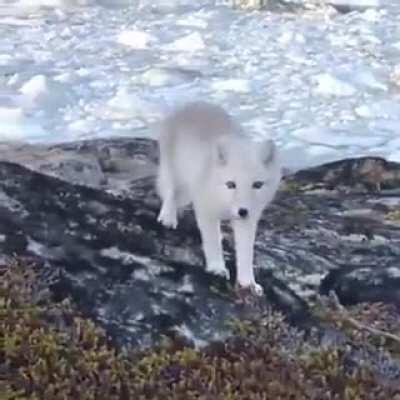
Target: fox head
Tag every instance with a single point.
(247, 174)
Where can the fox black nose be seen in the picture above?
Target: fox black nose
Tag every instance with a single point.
(243, 212)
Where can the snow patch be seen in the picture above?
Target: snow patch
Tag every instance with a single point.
(35, 247)
(187, 286)
(126, 258)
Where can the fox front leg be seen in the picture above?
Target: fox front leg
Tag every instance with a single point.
(168, 213)
(245, 233)
(209, 226)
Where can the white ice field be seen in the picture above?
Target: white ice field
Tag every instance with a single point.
(325, 85)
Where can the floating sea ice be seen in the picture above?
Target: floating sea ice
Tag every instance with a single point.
(192, 21)
(15, 125)
(336, 137)
(371, 15)
(191, 43)
(114, 3)
(328, 85)
(395, 74)
(35, 5)
(290, 37)
(170, 97)
(365, 77)
(394, 144)
(232, 85)
(169, 6)
(135, 38)
(5, 59)
(296, 154)
(125, 105)
(395, 156)
(157, 77)
(35, 88)
(388, 126)
(39, 91)
(380, 109)
(15, 20)
(82, 125)
(365, 111)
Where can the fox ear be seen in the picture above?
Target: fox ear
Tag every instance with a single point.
(268, 151)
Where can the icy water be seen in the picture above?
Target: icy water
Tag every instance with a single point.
(324, 85)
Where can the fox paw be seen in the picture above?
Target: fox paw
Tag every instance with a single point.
(168, 218)
(254, 288)
(218, 269)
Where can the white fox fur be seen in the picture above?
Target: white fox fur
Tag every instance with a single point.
(206, 160)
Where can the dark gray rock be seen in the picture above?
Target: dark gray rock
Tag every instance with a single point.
(114, 259)
(330, 228)
(362, 284)
(346, 6)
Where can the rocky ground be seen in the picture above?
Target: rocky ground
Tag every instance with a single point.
(85, 214)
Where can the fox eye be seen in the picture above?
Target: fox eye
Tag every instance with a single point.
(230, 185)
(258, 184)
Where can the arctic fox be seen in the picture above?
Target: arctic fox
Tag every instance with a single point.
(206, 160)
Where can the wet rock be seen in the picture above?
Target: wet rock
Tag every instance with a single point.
(355, 174)
(355, 284)
(346, 6)
(121, 267)
(85, 172)
(331, 227)
(89, 163)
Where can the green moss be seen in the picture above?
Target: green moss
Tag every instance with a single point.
(393, 215)
(290, 186)
(48, 351)
(373, 324)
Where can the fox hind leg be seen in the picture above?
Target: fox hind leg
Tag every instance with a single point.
(167, 189)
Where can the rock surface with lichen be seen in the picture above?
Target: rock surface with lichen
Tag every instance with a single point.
(85, 216)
